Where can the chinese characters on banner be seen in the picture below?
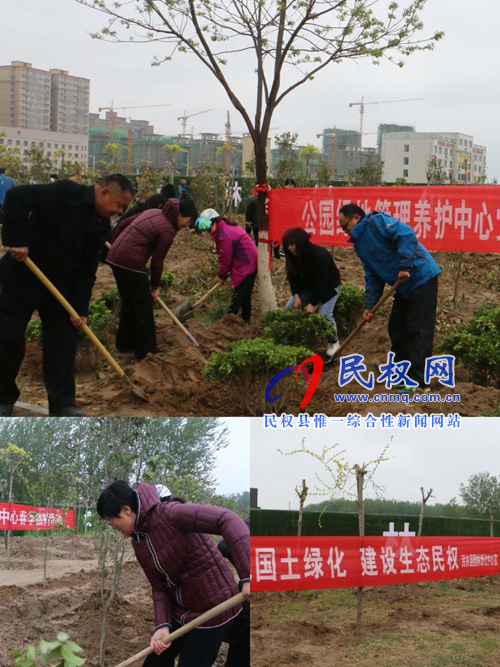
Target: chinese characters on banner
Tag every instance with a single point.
(304, 563)
(25, 517)
(453, 217)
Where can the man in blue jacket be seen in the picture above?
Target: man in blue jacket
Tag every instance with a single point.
(389, 250)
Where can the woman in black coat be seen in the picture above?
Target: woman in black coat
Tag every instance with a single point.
(313, 276)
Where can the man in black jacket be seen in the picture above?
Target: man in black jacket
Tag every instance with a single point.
(62, 226)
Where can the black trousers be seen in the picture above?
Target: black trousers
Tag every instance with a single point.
(136, 329)
(59, 338)
(198, 648)
(238, 638)
(242, 297)
(411, 327)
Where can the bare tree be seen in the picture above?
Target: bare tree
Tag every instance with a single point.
(302, 494)
(425, 498)
(296, 38)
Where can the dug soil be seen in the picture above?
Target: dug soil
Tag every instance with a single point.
(70, 602)
(174, 383)
(416, 625)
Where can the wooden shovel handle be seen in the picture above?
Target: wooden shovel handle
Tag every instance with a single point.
(205, 296)
(72, 312)
(211, 613)
(362, 323)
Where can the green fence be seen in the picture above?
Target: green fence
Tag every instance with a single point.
(283, 522)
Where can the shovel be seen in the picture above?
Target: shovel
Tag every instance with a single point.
(361, 324)
(211, 613)
(186, 309)
(174, 319)
(86, 330)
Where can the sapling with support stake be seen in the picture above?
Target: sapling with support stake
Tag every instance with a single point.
(425, 498)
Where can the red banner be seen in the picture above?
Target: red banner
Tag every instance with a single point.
(26, 517)
(305, 563)
(452, 217)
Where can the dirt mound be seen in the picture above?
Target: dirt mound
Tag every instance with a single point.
(174, 383)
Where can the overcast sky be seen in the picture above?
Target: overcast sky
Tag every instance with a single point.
(458, 81)
(440, 460)
(232, 472)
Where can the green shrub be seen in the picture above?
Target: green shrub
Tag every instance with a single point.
(294, 327)
(349, 309)
(476, 345)
(252, 357)
(111, 300)
(100, 320)
(34, 330)
(248, 365)
(167, 279)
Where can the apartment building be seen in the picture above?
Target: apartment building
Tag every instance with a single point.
(408, 155)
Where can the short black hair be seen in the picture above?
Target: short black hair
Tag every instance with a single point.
(352, 209)
(120, 180)
(290, 181)
(115, 496)
(155, 201)
(187, 208)
(2, 170)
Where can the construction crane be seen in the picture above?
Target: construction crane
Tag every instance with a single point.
(362, 108)
(185, 117)
(129, 120)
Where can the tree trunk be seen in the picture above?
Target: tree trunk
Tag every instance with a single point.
(492, 524)
(302, 498)
(425, 498)
(360, 477)
(9, 533)
(457, 280)
(267, 292)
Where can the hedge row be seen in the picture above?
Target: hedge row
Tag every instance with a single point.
(284, 522)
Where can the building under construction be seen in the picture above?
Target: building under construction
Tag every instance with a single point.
(142, 147)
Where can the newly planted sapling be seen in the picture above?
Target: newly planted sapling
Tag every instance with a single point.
(59, 653)
(294, 327)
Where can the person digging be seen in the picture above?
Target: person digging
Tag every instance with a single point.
(313, 277)
(62, 227)
(389, 251)
(187, 573)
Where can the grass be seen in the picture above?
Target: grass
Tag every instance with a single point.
(458, 631)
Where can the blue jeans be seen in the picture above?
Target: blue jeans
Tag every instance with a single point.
(325, 309)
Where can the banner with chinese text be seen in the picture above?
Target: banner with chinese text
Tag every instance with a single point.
(26, 517)
(304, 563)
(453, 217)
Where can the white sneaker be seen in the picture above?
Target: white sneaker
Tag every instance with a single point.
(332, 349)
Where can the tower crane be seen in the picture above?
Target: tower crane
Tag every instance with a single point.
(112, 122)
(185, 117)
(362, 108)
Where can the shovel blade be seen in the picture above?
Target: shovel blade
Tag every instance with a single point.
(180, 311)
(137, 390)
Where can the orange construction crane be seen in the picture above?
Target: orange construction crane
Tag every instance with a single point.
(362, 109)
(112, 109)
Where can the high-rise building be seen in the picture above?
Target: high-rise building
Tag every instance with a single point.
(69, 103)
(390, 127)
(35, 99)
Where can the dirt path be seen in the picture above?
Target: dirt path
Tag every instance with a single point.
(55, 569)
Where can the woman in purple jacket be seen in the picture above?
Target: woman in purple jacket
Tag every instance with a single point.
(187, 573)
(237, 257)
(135, 240)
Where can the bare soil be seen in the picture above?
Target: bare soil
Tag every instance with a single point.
(418, 625)
(70, 602)
(174, 383)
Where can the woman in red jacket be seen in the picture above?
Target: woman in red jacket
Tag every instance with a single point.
(135, 240)
(187, 573)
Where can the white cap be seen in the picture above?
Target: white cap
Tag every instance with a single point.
(162, 490)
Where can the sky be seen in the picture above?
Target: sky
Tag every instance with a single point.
(437, 459)
(458, 81)
(232, 472)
